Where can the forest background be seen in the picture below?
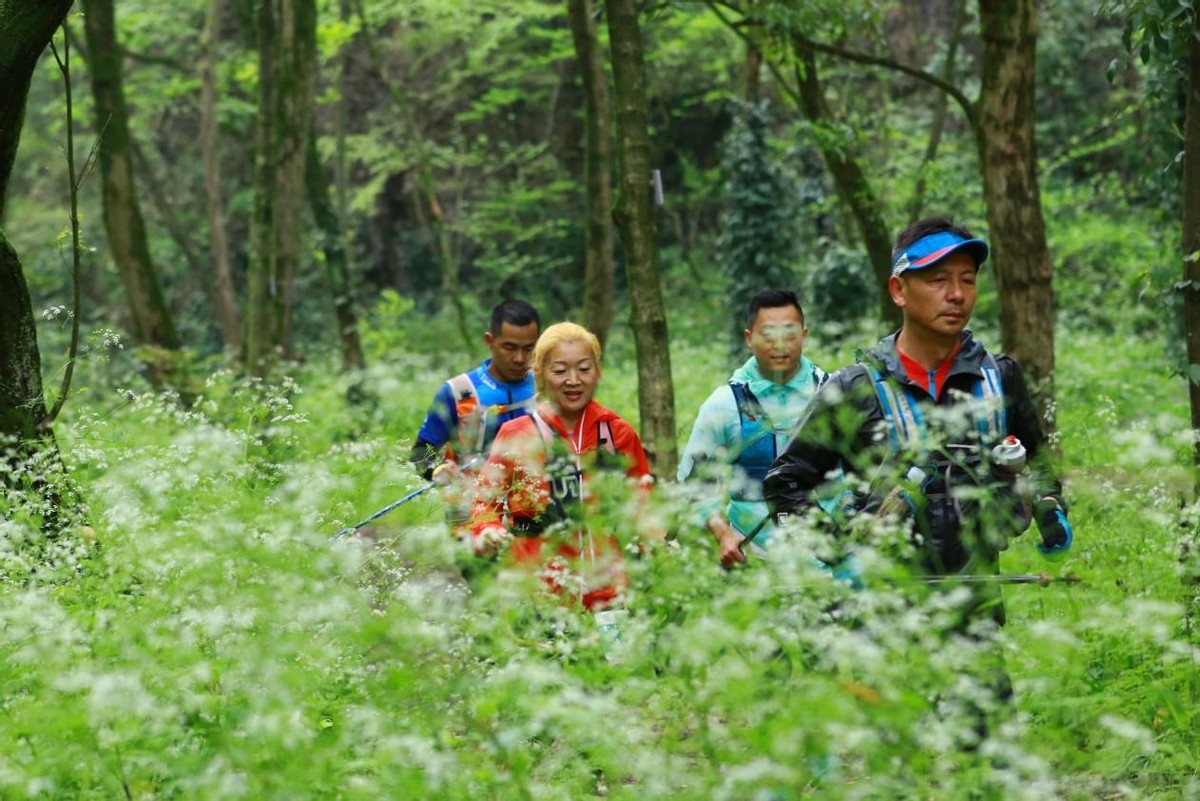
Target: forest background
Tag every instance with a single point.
(293, 218)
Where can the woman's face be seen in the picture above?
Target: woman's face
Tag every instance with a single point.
(571, 376)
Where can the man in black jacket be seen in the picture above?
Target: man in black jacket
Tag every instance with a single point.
(915, 422)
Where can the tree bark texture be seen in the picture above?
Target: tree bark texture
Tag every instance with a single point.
(1020, 257)
(287, 73)
(333, 247)
(25, 30)
(598, 261)
(1191, 236)
(22, 406)
(218, 243)
(850, 180)
(634, 214)
(123, 222)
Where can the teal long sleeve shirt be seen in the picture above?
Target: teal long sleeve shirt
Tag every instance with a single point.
(709, 459)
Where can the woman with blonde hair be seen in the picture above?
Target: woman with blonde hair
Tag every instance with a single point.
(532, 495)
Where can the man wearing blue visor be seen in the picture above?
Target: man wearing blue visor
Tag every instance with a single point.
(921, 428)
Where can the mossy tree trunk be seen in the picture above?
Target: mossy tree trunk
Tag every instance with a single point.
(634, 214)
(1020, 256)
(598, 264)
(849, 179)
(287, 37)
(333, 247)
(218, 242)
(1191, 235)
(124, 225)
(25, 29)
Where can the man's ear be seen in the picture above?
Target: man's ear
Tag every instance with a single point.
(487, 338)
(896, 290)
(749, 336)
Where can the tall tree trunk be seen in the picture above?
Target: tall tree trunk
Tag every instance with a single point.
(598, 269)
(25, 29)
(1020, 255)
(214, 206)
(1191, 235)
(287, 76)
(22, 405)
(753, 71)
(634, 213)
(333, 246)
(123, 221)
(849, 179)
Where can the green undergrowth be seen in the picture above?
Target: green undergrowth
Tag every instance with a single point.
(217, 640)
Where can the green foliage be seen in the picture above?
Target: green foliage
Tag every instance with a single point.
(215, 643)
(758, 234)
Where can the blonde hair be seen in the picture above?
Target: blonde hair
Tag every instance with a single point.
(551, 338)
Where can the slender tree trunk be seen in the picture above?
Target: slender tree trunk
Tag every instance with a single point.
(634, 214)
(1191, 237)
(214, 206)
(260, 284)
(850, 180)
(1020, 255)
(287, 74)
(123, 221)
(598, 270)
(332, 244)
(753, 72)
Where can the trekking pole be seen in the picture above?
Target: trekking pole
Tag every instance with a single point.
(1040, 579)
(384, 510)
(418, 491)
(749, 538)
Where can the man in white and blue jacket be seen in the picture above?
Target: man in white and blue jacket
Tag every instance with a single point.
(745, 424)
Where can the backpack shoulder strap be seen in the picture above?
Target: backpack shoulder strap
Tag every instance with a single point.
(993, 420)
(749, 409)
(900, 410)
(462, 387)
(604, 437)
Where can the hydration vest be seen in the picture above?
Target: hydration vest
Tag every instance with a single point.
(906, 424)
(947, 467)
(478, 423)
(565, 474)
(759, 447)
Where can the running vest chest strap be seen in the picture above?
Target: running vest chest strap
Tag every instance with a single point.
(477, 421)
(564, 475)
(756, 451)
(905, 422)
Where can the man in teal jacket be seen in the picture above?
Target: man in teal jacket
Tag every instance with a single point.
(745, 424)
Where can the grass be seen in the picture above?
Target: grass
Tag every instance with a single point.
(215, 644)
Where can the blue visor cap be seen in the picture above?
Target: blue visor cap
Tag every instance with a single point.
(929, 250)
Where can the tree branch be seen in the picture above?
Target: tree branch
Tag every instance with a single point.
(953, 91)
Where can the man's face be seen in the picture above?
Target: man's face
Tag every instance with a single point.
(777, 341)
(937, 301)
(512, 351)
